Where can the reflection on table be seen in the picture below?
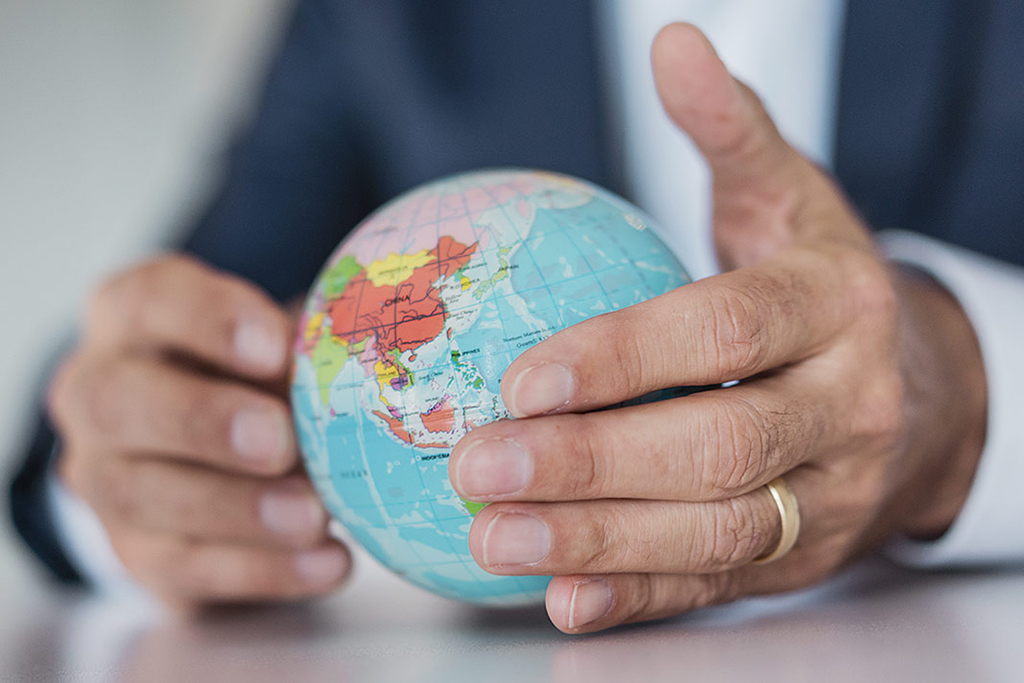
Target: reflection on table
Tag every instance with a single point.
(876, 622)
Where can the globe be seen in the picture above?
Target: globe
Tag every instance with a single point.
(408, 328)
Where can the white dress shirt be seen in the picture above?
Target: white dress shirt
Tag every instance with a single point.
(788, 52)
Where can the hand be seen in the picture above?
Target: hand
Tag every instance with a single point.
(861, 384)
(174, 428)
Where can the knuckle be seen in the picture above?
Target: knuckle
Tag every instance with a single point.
(620, 537)
(204, 419)
(737, 341)
(193, 571)
(223, 293)
(631, 351)
(85, 398)
(714, 589)
(738, 444)
(733, 540)
(589, 477)
(139, 307)
(102, 399)
(258, 578)
(132, 298)
(595, 539)
(743, 141)
(702, 593)
(120, 297)
(194, 574)
(643, 600)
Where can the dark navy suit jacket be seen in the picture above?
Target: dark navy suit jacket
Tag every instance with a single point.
(367, 99)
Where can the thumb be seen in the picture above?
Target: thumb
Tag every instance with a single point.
(722, 116)
(766, 195)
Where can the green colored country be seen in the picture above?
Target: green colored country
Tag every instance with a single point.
(337, 278)
(472, 507)
(499, 275)
(329, 355)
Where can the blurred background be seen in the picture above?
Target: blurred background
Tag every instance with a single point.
(113, 114)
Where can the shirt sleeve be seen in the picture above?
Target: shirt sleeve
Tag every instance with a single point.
(988, 529)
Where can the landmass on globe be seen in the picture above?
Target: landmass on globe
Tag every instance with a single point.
(409, 327)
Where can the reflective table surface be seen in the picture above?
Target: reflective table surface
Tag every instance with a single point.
(876, 622)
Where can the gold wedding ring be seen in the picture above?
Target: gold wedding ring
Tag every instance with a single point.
(789, 510)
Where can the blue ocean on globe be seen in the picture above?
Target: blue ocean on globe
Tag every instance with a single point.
(407, 330)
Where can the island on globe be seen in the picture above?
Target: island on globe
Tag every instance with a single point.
(406, 333)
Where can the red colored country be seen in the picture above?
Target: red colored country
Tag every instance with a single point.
(396, 425)
(440, 418)
(401, 317)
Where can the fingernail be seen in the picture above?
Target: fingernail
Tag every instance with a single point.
(291, 513)
(259, 346)
(259, 436)
(541, 389)
(493, 468)
(321, 567)
(513, 538)
(590, 601)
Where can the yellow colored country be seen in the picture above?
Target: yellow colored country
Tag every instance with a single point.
(396, 267)
(313, 326)
(385, 373)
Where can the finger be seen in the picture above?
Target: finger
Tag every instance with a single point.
(728, 327)
(614, 536)
(189, 572)
(180, 304)
(723, 118)
(708, 446)
(142, 406)
(198, 503)
(583, 604)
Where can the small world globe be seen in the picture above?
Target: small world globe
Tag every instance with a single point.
(407, 331)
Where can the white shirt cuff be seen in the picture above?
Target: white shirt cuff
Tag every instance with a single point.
(988, 529)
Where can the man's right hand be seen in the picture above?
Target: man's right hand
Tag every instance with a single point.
(174, 427)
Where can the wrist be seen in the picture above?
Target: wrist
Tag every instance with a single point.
(945, 405)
